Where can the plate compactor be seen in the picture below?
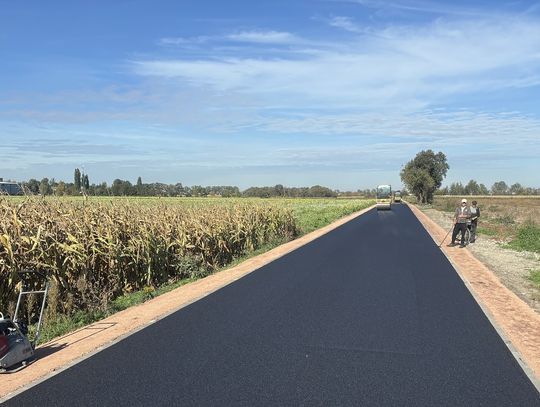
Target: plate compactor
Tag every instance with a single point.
(16, 349)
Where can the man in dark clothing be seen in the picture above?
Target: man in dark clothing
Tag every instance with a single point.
(462, 215)
(475, 214)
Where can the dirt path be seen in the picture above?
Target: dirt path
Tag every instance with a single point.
(519, 323)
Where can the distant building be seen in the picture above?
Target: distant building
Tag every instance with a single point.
(10, 188)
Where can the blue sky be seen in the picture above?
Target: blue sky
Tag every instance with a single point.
(338, 93)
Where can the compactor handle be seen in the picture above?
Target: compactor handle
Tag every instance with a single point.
(27, 273)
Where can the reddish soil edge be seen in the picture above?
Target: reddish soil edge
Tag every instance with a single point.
(65, 351)
(518, 324)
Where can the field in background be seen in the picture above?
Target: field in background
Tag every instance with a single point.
(101, 251)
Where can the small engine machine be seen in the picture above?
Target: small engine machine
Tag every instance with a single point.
(16, 349)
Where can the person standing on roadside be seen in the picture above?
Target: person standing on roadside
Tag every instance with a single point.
(462, 215)
(475, 214)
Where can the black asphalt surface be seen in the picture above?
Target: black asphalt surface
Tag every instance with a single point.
(371, 314)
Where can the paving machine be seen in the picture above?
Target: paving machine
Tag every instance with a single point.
(16, 349)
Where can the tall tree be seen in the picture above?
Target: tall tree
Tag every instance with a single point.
(139, 187)
(424, 174)
(77, 180)
(85, 182)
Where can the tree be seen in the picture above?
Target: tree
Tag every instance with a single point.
(499, 188)
(44, 187)
(457, 188)
(443, 191)
(318, 191)
(121, 188)
(60, 188)
(77, 180)
(419, 182)
(139, 187)
(32, 186)
(424, 174)
(279, 190)
(85, 182)
(517, 189)
(472, 188)
(482, 190)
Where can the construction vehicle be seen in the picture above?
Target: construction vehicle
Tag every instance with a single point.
(384, 197)
(16, 349)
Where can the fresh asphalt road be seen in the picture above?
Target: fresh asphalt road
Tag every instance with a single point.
(371, 314)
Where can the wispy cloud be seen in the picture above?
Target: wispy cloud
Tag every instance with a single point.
(345, 23)
(422, 6)
(175, 41)
(399, 65)
(264, 37)
(255, 36)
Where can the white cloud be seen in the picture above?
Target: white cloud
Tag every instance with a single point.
(264, 37)
(176, 41)
(345, 23)
(398, 65)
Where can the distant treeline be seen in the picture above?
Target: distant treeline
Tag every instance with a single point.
(316, 191)
(498, 188)
(126, 188)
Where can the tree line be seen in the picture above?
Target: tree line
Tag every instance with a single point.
(498, 188)
(423, 177)
(81, 186)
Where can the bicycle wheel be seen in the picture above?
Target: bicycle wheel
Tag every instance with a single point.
(467, 239)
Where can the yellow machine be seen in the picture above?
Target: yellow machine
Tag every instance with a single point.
(384, 197)
(397, 196)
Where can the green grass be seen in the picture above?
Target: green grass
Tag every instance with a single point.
(527, 238)
(310, 214)
(534, 277)
(505, 220)
(486, 231)
(313, 214)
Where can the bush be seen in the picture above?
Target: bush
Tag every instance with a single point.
(528, 238)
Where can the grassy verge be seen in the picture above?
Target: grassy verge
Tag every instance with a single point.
(309, 215)
(527, 238)
(534, 277)
(314, 215)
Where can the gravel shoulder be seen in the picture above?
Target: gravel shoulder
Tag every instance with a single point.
(510, 266)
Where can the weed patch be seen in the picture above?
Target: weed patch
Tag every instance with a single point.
(535, 278)
(527, 238)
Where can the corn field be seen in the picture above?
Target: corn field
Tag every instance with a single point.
(96, 251)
